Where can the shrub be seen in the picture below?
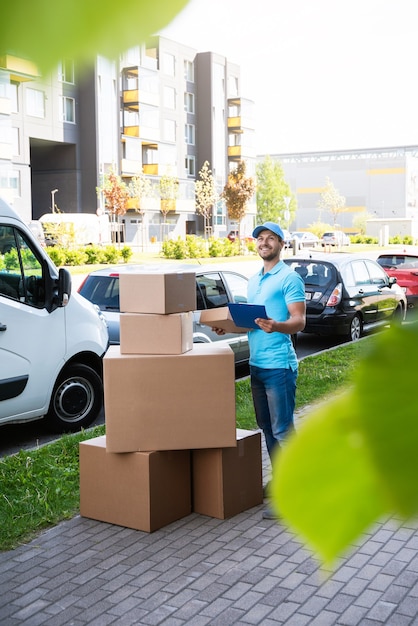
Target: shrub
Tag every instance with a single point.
(57, 255)
(75, 257)
(94, 255)
(126, 253)
(174, 248)
(196, 247)
(110, 254)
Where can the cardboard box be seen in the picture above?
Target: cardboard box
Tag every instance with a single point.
(220, 318)
(170, 402)
(148, 333)
(141, 490)
(157, 292)
(230, 480)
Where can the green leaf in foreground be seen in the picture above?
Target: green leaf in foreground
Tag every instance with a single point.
(46, 31)
(354, 459)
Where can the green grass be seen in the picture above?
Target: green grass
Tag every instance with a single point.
(40, 487)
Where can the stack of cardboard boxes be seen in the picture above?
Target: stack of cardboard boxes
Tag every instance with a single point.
(171, 445)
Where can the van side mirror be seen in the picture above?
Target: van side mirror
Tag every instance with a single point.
(64, 287)
(57, 289)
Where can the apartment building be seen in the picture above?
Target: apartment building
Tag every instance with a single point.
(162, 109)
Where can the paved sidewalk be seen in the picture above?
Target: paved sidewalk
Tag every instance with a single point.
(201, 570)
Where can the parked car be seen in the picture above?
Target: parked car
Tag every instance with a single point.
(287, 238)
(404, 267)
(234, 234)
(346, 293)
(304, 240)
(214, 288)
(335, 238)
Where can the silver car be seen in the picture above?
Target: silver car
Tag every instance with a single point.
(214, 288)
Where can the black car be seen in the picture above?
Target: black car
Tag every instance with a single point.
(214, 288)
(346, 293)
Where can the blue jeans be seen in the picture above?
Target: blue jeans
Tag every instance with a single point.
(274, 392)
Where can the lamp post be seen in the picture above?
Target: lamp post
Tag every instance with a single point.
(53, 192)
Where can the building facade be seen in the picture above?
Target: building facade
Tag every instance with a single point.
(380, 183)
(162, 109)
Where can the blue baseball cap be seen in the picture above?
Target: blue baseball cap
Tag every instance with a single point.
(275, 228)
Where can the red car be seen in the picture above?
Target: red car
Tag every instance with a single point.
(233, 235)
(404, 267)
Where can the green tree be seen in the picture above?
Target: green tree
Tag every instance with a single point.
(237, 192)
(274, 197)
(360, 221)
(139, 188)
(116, 195)
(169, 192)
(205, 195)
(331, 201)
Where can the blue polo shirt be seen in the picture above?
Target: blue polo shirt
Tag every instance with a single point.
(275, 289)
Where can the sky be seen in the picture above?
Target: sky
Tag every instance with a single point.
(324, 74)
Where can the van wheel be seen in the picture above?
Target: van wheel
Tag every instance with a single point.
(356, 328)
(76, 400)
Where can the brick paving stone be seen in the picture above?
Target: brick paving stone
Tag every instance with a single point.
(201, 570)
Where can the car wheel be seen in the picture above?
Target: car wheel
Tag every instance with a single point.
(397, 317)
(356, 328)
(76, 400)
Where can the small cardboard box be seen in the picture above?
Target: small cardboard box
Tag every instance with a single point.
(157, 292)
(170, 402)
(228, 481)
(220, 318)
(141, 490)
(148, 333)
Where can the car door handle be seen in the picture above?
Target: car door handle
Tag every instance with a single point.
(3, 326)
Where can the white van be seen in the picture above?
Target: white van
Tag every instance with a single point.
(51, 341)
(82, 229)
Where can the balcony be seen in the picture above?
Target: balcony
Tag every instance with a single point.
(131, 99)
(234, 152)
(151, 169)
(234, 123)
(20, 69)
(131, 131)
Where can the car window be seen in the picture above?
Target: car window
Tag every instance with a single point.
(237, 286)
(377, 275)
(398, 261)
(314, 273)
(103, 291)
(211, 291)
(359, 273)
(20, 269)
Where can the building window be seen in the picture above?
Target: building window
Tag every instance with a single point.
(10, 179)
(68, 109)
(169, 130)
(189, 71)
(190, 165)
(169, 97)
(66, 71)
(169, 64)
(190, 134)
(189, 102)
(35, 102)
(15, 142)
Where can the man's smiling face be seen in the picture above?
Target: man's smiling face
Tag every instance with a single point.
(269, 245)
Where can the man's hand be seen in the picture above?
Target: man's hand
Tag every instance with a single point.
(218, 331)
(268, 325)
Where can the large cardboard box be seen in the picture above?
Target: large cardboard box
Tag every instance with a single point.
(157, 292)
(148, 333)
(220, 318)
(170, 402)
(228, 481)
(141, 490)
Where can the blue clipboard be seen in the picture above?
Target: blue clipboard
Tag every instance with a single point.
(245, 314)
